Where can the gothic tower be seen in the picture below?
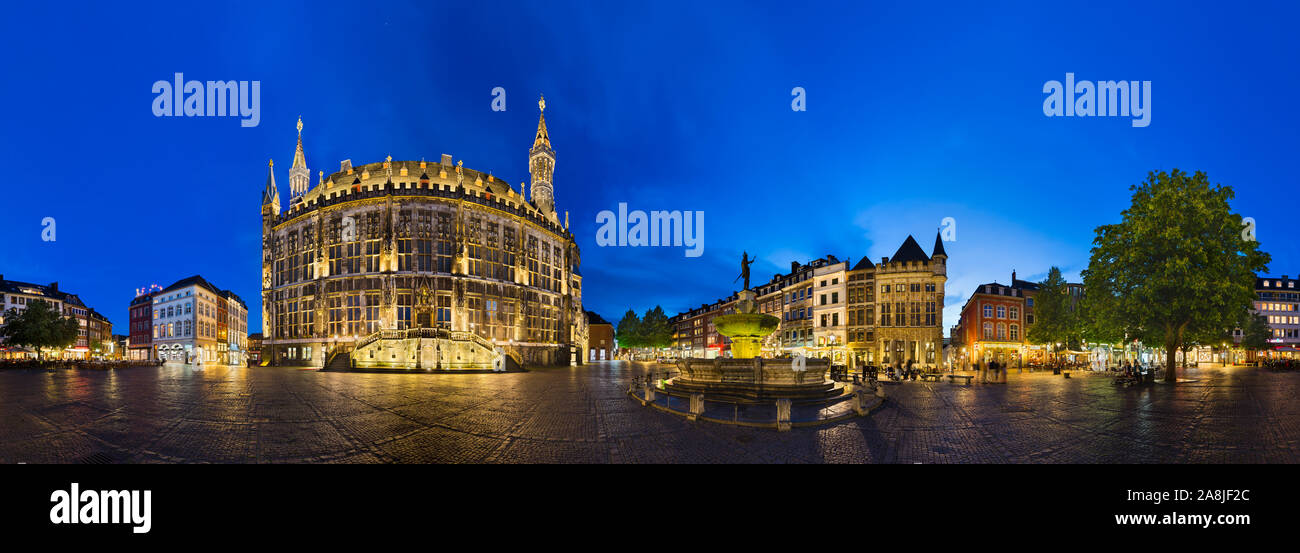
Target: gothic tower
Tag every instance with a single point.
(299, 175)
(541, 165)
(270, 212)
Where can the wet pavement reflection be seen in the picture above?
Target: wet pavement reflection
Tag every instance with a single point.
(218, 414)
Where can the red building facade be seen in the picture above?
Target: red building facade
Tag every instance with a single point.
(141, 335)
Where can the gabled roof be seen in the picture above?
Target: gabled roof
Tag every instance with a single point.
(910, 251)
(196, 279)
(864, 263)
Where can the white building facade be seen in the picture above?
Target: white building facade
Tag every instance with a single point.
(186, 324)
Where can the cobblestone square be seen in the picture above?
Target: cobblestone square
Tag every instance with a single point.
(582, 415)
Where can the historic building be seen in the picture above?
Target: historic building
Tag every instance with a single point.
(91, 325)
(600, 338)
(910, 287)
(254, 349)
(186, 323)
(140, 347)
(395, 251)
(830, 315)
(992, 325)
(828, 309)
(1278, 301)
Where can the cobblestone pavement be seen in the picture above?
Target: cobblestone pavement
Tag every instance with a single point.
(283, 415)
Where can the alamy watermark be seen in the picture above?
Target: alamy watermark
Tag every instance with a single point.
(209, 99)
(656, 229)
(75, 506)
(1100, 99)
(48, 232)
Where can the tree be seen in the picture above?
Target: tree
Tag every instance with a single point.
(1054, 320)
(39, 326)
(628, 333)
(1177, 264)
(1255, 332)
(654, 330)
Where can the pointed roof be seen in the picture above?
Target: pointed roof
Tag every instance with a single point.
(910, 251)
(299, 159)
(543, 138)
(938, 245)
(270, 193)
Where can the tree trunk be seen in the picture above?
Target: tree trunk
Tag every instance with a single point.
(1171, 356)
(1171, 375)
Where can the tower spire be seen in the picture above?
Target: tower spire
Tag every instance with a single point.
(299, 175)
(270, 194)
(541, 164)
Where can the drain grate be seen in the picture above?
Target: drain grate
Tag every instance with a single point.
(98, 458)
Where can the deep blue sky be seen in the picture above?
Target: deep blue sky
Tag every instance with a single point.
(915, 113)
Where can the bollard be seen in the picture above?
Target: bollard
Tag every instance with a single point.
(649, 393)
(880, 391)
(783, 415)
(860, 402)
(697, 406)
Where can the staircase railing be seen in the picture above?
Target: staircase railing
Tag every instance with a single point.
(396, 334)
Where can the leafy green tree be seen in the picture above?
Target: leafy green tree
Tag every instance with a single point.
(1177, 264)
(628, 333)
(655, 332)
(1255, 332)
(40, 326)
(1054, 320)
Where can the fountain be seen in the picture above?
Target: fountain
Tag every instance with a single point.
(746, 376)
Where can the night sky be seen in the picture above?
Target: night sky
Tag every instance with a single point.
(914, 113)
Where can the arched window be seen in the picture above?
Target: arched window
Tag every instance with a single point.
(988, 331)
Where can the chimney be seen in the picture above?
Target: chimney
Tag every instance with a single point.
(1013, 277)
(54, 286)
(346, 166)
(446, 159)
(884, 260)
(794, 266)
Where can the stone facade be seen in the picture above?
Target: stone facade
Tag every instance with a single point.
(909, 301)
(398, 245)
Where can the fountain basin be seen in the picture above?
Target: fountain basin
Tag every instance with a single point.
(746, 331)
(754, 379)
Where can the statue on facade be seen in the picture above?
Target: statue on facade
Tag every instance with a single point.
(745, 262)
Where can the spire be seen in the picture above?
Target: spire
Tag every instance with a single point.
(299, 159)
(299, 175)
(271, 194)
(938, 245)
(541, 165)
(543, 138)
(270, 191)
